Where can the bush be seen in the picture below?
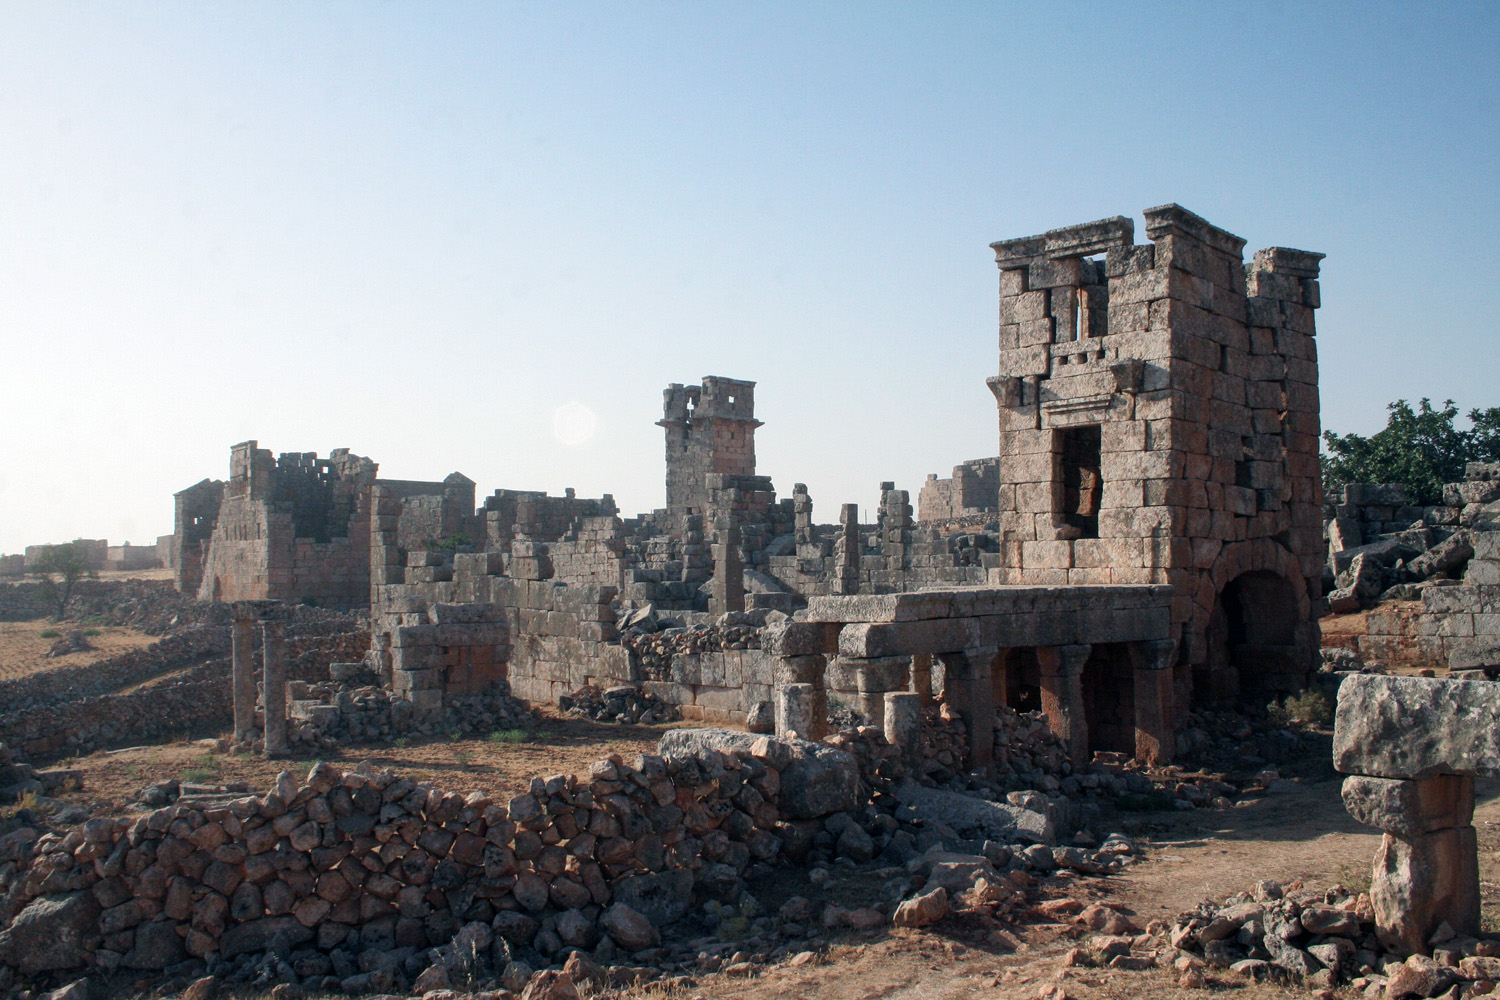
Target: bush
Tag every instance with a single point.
(1310, 708)
(50, 633)
(509, 736)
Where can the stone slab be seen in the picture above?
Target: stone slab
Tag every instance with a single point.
(1416, 727)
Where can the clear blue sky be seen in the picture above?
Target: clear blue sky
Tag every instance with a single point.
(417, 230)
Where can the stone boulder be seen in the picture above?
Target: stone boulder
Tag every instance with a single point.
(53, 932)
(816, 779)
(662, 897)
(978, 819)
(630, 929)
(922, 910)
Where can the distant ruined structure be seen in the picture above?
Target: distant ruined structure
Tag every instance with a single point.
(1149, 535)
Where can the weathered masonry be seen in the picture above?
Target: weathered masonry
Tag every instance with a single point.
(1156, 493)
(1159, 424)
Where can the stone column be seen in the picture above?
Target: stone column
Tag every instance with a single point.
(794, 711)
(729, 568)
(790, 671)
(1062, 696)
(1153, 700)
(242, 676)
(921, 676)
(273, 687)
(846, 550)
(967, 688)
(903, 724)
(1427, 868)
(875, 677)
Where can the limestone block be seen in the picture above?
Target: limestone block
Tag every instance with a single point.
(1416, 727)
(1420, 883)
(1410, 808)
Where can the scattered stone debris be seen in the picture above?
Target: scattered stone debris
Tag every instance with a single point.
(356, 708)
(1325, 939)
(622, 703)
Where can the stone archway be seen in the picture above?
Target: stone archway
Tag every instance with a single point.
(1253, 640)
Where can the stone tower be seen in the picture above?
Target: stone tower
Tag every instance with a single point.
(1159, 424)
(710, 429)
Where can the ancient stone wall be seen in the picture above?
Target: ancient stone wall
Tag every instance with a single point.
(53, 720)
(1159, 424)
(312, 865)
(972, 496)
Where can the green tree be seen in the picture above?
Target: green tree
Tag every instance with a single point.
(1420, 449)
(59, 568)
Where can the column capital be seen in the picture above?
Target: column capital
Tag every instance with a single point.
(1063, 660)
(1153, 654)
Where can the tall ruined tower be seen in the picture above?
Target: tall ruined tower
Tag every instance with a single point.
(710, 428)
(1159, 424)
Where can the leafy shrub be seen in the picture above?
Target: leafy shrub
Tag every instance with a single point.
(1310, 708)
(50, 633)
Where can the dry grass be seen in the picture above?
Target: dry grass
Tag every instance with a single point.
(23, 651)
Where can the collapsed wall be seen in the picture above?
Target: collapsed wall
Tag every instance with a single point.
(365, 863)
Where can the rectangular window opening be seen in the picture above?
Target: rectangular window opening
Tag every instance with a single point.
(1082, 478)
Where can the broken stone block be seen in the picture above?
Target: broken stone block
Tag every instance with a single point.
(1416, 727)
(1410, 808)
(1420, 883)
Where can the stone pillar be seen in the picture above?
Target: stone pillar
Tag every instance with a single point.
(875, 677)
(921, 676)
(273, 687)
(1154, 723)
(967, 688)
(805, 670)
(794, 711)
(1062, 696)
(1427, 868)
(903, 724)
(242, 676)
(729, 568)
(846, 550)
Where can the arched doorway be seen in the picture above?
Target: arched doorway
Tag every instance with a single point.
(1252, 641)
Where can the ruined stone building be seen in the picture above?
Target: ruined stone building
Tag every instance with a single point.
(297, 528)
(1149, 534)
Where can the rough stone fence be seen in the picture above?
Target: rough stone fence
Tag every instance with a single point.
(151, 714)
(199, 701)
(1412, 747)
(326, 872)
(134, 666)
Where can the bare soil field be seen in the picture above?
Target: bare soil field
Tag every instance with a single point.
(502, 763)
(23, 651)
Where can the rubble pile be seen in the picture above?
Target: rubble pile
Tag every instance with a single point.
(654, 639)
(1382, 548)
(356, 708)
(1327, 938)
(945, 744)
(622, 703)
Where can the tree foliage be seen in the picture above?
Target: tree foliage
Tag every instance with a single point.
(1421, 449)
(60, 567)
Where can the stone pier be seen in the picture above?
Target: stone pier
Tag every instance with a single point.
(273, 686)
(1413, 747)
(1062, 695)
(242, 673)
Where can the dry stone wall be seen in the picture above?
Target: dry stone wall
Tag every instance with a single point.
(336, 874)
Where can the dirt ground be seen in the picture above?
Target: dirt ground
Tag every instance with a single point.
(23, 651)
(494, 764)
